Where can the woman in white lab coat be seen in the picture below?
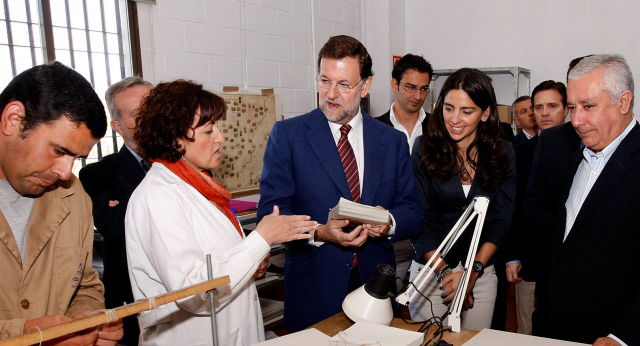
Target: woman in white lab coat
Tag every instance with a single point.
(178, 214)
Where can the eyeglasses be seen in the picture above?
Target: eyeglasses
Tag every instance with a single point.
(343, 88)
(412, 89)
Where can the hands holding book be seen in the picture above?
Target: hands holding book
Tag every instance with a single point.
(332, 232)
(372, 222)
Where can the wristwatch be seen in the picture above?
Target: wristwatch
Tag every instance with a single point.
(478, 267)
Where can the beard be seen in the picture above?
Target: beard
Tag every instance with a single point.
(342, 115)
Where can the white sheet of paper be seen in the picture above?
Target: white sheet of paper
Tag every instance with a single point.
(501, 338)
(309, 337)
(363, 333)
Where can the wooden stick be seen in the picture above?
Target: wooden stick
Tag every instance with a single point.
(102, 317)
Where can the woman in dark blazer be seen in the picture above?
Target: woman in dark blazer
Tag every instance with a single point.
(462, 156)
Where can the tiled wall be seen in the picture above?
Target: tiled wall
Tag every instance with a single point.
(252, 43)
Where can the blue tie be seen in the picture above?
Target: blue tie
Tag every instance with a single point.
(145, 168)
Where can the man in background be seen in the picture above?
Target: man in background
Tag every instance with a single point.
(410, 80)
(337, 151)
(110, 182)
(523, 245)
(523, 117)
(50, 117)
(549, 104)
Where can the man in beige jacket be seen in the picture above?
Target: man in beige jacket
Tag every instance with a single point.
(50, 117)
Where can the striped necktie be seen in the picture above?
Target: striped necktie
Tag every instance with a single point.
(349, 163)
(350, 171)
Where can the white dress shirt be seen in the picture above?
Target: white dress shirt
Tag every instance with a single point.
(356, 139)
(588, 172)
(417, 128)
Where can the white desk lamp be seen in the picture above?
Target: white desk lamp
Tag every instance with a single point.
(371, 302)
(478, 207)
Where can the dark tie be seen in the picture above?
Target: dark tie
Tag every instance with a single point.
(349, 163)
(145, 168)
(350, 171)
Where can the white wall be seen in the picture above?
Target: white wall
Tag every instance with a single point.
(543, 36)
(258, 44)
(384, 37)
(253, 44)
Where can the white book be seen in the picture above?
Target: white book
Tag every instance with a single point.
(363, 333)
(358, 213)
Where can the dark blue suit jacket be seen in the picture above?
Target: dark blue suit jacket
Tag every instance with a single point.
(587, 286)
(302, 174)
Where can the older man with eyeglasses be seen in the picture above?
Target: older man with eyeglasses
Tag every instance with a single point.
(337, 151)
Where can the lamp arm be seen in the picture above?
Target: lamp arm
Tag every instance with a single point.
(418, 283)
(478, 207)
(461, 292)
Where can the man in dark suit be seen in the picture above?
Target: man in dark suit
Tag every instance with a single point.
(306, 164)
(523, 249)
(523, 116)
(586, 290)
(109, 183)
(410, 79)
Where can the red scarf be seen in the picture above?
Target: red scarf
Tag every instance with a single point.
(210, 189)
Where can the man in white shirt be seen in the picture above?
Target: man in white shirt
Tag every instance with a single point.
(410, 82)
(586, 291)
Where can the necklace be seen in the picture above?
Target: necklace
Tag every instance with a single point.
(465, 175)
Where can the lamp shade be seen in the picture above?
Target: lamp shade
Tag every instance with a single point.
(371, 302)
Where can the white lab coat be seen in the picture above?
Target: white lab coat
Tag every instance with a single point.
(170, 227)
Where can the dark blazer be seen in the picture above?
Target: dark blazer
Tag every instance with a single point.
(386, 118)
(303, 174)
(114, 178)
(522, 243)
(588, 287)
(444, 203)
(519, 139)
(553, 151)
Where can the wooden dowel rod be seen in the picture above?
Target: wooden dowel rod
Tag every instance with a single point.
(101, 317)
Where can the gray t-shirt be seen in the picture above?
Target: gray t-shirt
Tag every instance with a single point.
(17, 210)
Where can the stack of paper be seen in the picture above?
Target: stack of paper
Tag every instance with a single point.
(358, 213)
(272, 310)
(363, 333)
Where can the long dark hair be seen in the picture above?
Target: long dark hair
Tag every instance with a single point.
(440, 152)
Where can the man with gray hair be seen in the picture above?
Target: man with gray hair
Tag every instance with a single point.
(586, 290)
(109, 183)
(523, 116)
